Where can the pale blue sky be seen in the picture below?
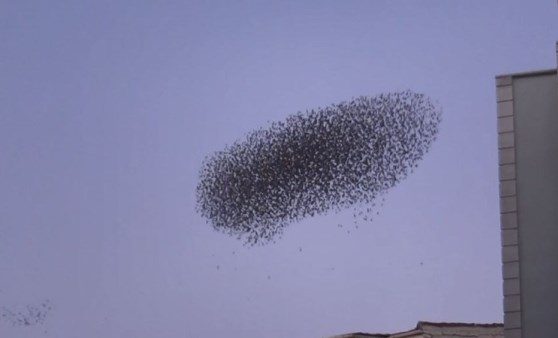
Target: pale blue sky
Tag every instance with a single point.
(109, 107)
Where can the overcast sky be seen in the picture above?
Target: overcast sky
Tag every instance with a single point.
(107, 109)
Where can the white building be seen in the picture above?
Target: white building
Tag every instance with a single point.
(528, 170)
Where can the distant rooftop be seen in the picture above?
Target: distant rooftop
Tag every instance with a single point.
(430, 329)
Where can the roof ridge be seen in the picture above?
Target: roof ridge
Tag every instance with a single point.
(424, 322)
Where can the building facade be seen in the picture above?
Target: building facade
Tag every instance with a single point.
(527, 112)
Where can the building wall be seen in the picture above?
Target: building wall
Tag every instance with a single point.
(536, 105)
(528, 159)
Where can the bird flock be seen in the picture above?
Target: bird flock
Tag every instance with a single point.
(323, 160)
(28, 316)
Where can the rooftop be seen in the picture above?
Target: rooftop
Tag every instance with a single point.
(432, 329)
